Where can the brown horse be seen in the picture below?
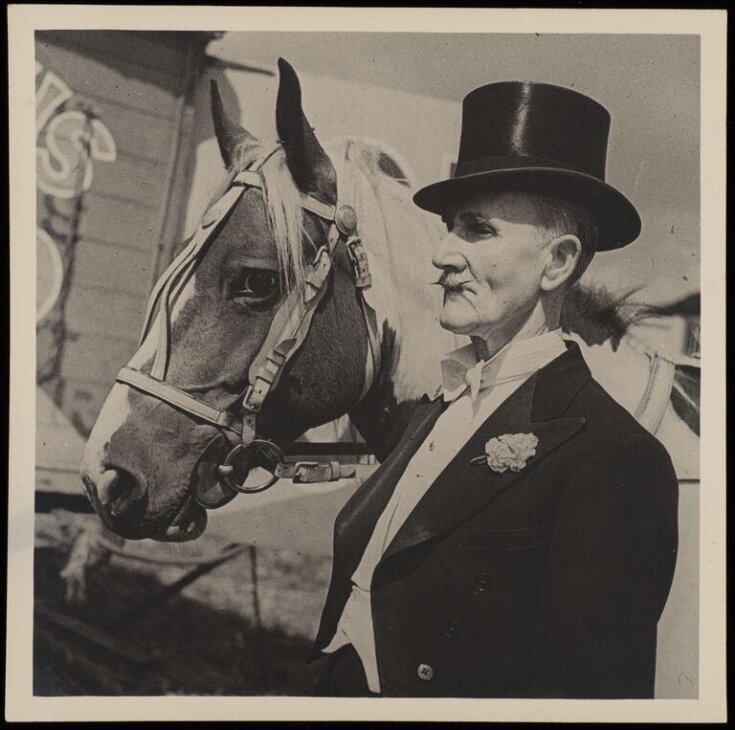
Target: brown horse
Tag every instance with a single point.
(176, 415)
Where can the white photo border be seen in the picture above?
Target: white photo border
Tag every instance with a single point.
(711, 25)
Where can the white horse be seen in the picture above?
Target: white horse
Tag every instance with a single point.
(660, 388)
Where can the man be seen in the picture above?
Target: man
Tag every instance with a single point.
(521, 539)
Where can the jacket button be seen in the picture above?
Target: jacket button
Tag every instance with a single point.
(481, 584)
(451, 631)
(425, 672)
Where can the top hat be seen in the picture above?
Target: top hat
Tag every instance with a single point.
(541, 138)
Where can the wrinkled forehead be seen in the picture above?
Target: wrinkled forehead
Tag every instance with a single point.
(511, 206)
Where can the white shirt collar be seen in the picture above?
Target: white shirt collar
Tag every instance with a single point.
(462, 370)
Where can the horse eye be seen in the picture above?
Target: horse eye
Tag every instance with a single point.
(257, 284)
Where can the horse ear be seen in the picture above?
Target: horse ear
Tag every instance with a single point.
(228, 132)
(310, 166)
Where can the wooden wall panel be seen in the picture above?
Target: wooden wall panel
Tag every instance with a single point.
(119, 222)
(97, 311)
(138, 135)
(130, 86)
(137, 85)
(139, 181)
(112, 268)
(165, 53)
(97, 358)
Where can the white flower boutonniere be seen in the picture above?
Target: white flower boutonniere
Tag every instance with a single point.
(509, 451)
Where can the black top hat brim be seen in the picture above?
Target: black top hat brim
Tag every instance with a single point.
(618, 221)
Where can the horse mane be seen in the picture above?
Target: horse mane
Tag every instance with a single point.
(399, 240)
(284, 210)
(397, 237)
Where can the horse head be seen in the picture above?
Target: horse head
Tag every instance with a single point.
(148, 454)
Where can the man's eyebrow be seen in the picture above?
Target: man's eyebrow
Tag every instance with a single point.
(471, 216)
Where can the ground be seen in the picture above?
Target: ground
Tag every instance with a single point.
(234, 631)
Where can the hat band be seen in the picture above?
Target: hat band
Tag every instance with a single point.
(505, 162)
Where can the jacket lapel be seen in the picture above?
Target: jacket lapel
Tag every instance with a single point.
(461, 490)
(356, 521)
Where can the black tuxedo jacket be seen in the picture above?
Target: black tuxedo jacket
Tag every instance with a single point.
(547, 582)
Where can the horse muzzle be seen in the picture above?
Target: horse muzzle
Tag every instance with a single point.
(122, 504)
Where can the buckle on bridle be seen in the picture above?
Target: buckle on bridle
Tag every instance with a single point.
(250, 400)
(360, 267)
(310, 472)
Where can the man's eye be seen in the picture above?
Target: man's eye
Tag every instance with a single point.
(256, 284)
(475, 232)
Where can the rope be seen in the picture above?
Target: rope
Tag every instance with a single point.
(173, 560)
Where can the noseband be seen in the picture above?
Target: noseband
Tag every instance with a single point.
(287, 333)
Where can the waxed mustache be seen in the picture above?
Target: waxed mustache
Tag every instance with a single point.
(451, 281)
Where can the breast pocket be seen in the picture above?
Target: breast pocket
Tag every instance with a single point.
(471, 538)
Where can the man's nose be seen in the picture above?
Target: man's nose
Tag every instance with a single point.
(447, 254)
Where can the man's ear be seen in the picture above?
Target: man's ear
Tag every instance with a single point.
(563, 254)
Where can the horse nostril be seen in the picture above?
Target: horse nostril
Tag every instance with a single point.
(114, 488)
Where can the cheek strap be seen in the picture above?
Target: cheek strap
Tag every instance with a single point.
(287, 332)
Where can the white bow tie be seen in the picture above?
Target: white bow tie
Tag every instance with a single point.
(507, 365)
(458, 378)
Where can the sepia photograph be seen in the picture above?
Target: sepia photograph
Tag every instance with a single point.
(367, 363)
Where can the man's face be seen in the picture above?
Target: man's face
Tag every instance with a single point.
(492, 260)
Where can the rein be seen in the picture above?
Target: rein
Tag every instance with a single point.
(288, 331)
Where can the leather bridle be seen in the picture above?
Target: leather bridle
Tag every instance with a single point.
(287, 333)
